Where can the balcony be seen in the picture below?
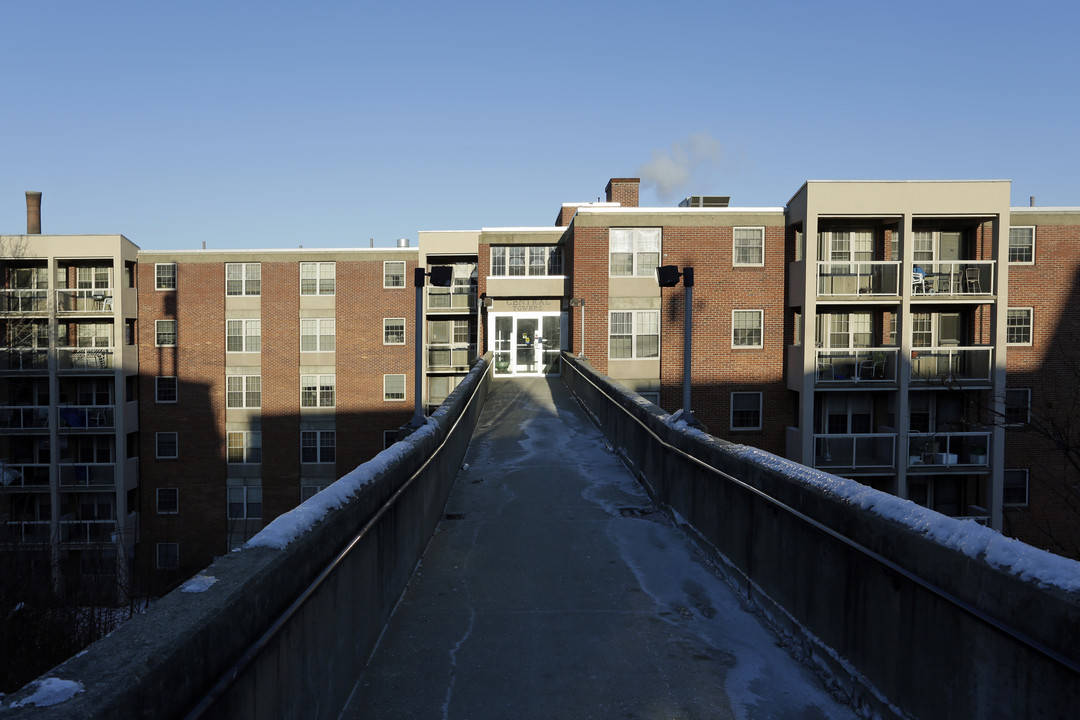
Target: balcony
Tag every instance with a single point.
(858, 280)
(27, 532)
(960, 449)
(863, 451)
(20, 300)
(90, 416)
(864, 366)
(451, 299)
(74, 358)
(93, 532)
(97, 300)
(24, 475)
(87, 475)
(24, 417)
(951, 364)
(450, 357)
(953, 280)
(24, 359)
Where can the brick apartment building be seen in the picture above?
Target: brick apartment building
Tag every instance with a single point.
(915, 336)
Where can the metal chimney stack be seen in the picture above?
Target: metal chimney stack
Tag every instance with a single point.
(33, 212)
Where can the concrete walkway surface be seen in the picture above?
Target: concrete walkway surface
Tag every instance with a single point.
(553, 588)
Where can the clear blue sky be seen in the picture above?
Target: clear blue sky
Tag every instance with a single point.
(324, 124)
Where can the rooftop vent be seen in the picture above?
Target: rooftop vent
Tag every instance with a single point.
(403, 242)
(706, 201)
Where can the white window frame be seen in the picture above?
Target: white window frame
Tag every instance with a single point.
(160, 551)
(308, 491)
(160, 274)
(642, 325)
(325, 454)
(759, 246)
(247, 501)
(1027, 487)
(250, 279)
(324, 339)
(250, 341)
(158, 389)
(529, 261)
(760, 329)
(732, 424)
(163, 508)
(637, 242)
(389, 275)
(389, 437)
(321, 278)
(1025, 406)
(162, 436)
(1030, 325)
(404, 388)
(1028, 244)
(245, 392)
(251, 447)
(158, 332)
(387, 329)
(318, 391)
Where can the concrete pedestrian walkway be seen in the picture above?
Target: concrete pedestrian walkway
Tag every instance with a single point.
(554, 589)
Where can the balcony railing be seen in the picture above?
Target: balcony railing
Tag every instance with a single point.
(97, 300)
(87, 531)
(88, 474)
(860, 365)
(17, 475)
(22, 300)
(951, 364)
(862, 451)
(23, 417)
(91, 416)
(98, 358)
(448, 357)
(26, 532)
(456, 298)
(957, 278)
(969, 449)
(24, 359)
(859, 279)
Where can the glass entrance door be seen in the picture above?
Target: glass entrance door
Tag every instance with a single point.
(527, 344)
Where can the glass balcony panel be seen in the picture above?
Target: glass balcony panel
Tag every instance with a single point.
(859, 279)
(969, 449)
(93, 416)
(957, 278)
(98, 358)
(24, 301)
(95, 300)
(859, 365)
(855, 451)
(951, 364)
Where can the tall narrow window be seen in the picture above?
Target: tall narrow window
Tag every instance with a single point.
(394, 274)
(165, 276)
(745, 411)
(1018, 326)
(394, 387)
(1022, 245)
(746, 328)
(393, 331)
(165, 333)
(749, 246)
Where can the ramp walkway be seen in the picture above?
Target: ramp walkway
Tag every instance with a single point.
(554, 588)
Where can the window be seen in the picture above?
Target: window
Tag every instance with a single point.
(168, 556)
(168, 501)
(243, 279)
(922, 330)
(634, 334)
(317, 390)
(165, 333)
(389, 437)
(393, 387)
(165, 443)
(634, 251)
(165, 389)
(1015, 488)
(244, 447)
(745, 411)
(309, 491)
(748, 246)
(93, 334)
(1022, 245)
(243, 391)
(393, 331)
(318, 446)
(318, 278)
(245, 503)
(243, 335)
(317, 334)
(532, 260)
(164, 276)
(746, 328)
(1017, 406)
(393, 274)
(1018, 326)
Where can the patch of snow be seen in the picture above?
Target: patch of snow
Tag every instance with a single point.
(291, 525)
(974, 540)
(50, 691)
(198, 584)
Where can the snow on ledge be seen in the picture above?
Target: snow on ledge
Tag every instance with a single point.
(1025, 561)
(291, 525)
(198, 584)
(50, 691)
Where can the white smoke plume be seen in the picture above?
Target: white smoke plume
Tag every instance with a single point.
(686, 168)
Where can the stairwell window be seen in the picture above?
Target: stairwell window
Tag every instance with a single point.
(243, 279)
(633, 252)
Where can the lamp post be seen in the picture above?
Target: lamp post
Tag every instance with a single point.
(668, 276)
(580, 302)
(441, 276)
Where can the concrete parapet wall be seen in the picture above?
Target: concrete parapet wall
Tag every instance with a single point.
(163, 663)
(911, 613)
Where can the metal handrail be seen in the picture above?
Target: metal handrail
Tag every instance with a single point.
(231, 675)
(975, 612)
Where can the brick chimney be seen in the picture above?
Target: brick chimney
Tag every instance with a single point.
(33, 212)
(623, 191)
